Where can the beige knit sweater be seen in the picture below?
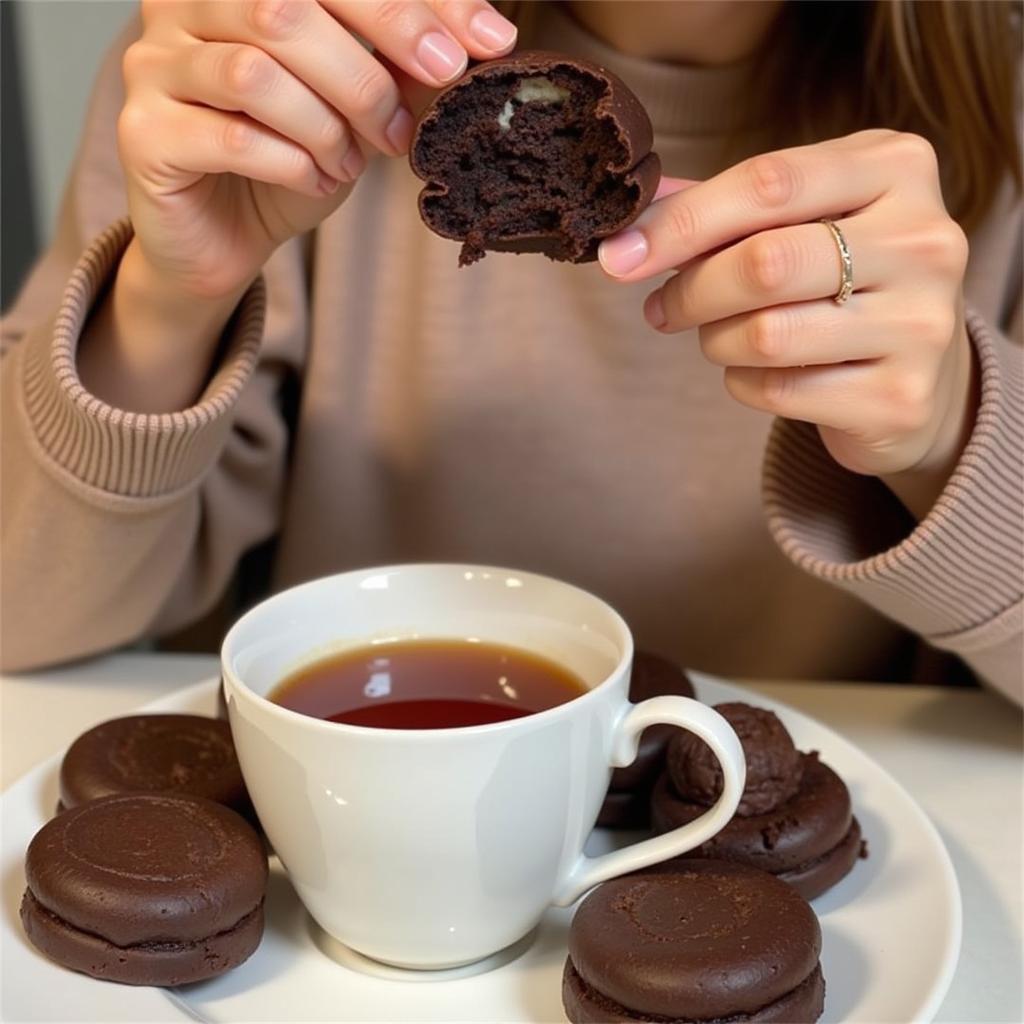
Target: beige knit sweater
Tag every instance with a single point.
(516, 413)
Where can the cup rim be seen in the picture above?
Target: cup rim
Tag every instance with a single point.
(419, 735)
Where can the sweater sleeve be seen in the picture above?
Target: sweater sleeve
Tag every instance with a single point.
(118, 525)
(956, 578)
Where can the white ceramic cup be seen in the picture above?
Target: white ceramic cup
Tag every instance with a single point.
(437, 847)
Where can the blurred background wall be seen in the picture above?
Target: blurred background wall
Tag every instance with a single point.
(51, 50)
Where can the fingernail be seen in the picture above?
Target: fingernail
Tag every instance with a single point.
(327, 184)
(399, 130)
(623, 252)
(654, 310)
(354, 163)
(441, 57)
(493, 31)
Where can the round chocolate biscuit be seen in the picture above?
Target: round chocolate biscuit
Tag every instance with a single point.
(585, 1005)
(811, 840)
(817, 876)
(159, 963)
(146, 889)
(774, 765)
(187, 754)
(535, 152)
(703, 941)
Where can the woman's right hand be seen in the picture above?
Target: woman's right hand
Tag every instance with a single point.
(247, 121)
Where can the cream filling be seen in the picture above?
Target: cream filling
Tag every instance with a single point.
(531, 90)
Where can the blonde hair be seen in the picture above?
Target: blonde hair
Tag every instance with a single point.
(945, 69)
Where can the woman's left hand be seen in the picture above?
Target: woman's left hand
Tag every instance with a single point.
(887, 376)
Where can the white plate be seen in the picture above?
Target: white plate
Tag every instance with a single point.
(891, 928)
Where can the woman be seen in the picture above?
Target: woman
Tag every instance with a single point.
(276, 348)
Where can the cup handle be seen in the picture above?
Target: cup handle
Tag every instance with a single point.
(716, 732)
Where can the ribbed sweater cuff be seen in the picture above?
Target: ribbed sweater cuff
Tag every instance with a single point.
(126, 453)
(956, 578)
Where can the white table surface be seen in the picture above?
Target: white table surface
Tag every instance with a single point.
(958, 752)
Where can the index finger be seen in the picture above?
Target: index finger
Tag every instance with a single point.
(791, 186)
(430, 40)
(304, 38)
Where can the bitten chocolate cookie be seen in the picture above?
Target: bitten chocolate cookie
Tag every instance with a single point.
(627, 804)
(706, 941)
(146, 889)
(186, 754)
(795, 819)
(536, 152)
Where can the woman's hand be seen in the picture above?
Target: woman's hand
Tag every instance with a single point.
(246, 121)
(887, 376)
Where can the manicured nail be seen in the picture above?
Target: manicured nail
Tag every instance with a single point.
(623, 252)
(441, 57)
(399, 130)
(327, 184)
(492, 31)
(354, 163)
(654, 310)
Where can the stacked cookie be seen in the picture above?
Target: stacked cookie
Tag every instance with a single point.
(795, 819)
(186, 754)
(708, 941)
(149, 874)
(725, 932)
(146, 889)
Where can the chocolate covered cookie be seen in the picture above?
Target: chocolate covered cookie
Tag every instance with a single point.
(707, 941)
(654, 675)
(536, 152)
(774, 765)
(795, 819)
(186, 754)
(627, 804)
(146, 889)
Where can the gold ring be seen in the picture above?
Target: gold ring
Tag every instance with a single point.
(845, 261)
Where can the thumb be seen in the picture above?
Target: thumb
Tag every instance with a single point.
(284, 212)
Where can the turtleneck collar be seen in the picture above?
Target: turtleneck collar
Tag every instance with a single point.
(680, 99)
